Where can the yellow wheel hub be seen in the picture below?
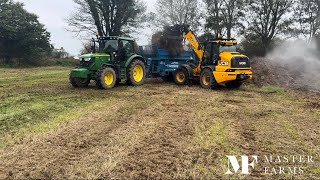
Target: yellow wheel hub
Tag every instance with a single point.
(180, 77)
(108, 78)
(138, 73)
(206, 79)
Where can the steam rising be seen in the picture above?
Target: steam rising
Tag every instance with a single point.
(301, 60)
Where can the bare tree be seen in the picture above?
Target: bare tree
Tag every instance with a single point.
(172, 12)
(307, 15)
(107, 17)
(224, 15)
(267, 18)
(214, 19)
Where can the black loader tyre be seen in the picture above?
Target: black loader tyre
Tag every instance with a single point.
(106, 78)
(234, 84)
(136, 73)
(207, 79)
(79, 82)
(181, 76)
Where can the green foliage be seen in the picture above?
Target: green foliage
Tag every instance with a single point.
(272, 89)
(22, 37)
(251, 45)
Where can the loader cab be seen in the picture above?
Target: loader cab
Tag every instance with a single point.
(212, 50)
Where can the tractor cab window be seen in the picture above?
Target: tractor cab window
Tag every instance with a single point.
(125, 49)
(228, 49)
(126, 46)
(108, 46)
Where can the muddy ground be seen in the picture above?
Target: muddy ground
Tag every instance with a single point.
(156, 131)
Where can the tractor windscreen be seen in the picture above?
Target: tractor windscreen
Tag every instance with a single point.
(108, 46)
(228, 49)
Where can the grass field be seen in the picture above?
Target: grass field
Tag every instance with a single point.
(159, 130)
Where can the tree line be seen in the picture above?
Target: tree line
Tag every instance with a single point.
(260, 23)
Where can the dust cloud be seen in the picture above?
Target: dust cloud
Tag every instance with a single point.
(301, 61)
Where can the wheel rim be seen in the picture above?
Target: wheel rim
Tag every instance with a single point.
(138, 73)
(108, 78)
(206, 79)
(180, 77)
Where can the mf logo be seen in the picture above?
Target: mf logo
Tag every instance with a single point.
(233, 161)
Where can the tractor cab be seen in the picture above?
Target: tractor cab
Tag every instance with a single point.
(119, 48)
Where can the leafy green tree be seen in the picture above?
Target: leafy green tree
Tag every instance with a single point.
(22, 37)
(107, 17)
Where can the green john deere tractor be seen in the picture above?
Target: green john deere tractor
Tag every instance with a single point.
(115, 61)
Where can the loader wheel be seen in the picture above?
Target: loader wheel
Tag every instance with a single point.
(207, 79)
(234, 84)
(106, 78)
(79, 82)
(181, 76)
(136, 74)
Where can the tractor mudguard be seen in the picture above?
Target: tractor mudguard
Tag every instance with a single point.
(189, 69)
(135, 56)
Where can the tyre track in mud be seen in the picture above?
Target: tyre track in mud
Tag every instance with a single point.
(165, 154)
(87, 148)
(136, 137)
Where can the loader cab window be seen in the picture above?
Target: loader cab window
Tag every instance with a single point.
(228, 49)
(211, 54)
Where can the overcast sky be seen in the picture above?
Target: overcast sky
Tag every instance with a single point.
(53, 14)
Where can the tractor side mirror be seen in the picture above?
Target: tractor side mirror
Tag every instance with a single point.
(93, 46)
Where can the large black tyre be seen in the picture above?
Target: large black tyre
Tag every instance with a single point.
(106, 78)
(136, 73)
(207, 79)
(181, 76)
(79, 82)
(234, 84)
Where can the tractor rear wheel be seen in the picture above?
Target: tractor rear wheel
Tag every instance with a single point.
(207, 79)
(136, 73)
(79, 82)
(181, 76)
(106, 78)
(234, 84)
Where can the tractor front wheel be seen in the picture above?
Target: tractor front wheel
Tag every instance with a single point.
(79, 82)
(106, 78)
(181, 76)
(136, 73)
(207, 79)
